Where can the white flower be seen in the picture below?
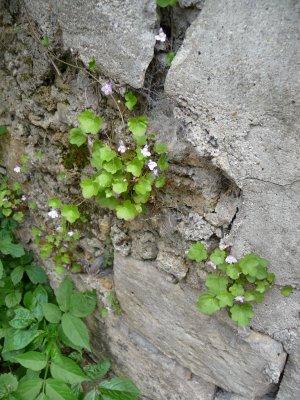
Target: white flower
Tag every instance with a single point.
(145, 151)
(70, 233)
(230, 259)
(122, 148)
(155, 172)
(23, 198)
(58, 228)
(17, 169)
(107, 88)
(239, 299)
(161, 37)
(53, 214)
(211, 264)
(151, 165)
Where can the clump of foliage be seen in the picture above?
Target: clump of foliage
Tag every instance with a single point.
(12, 204)
(125, 176)
(234, 285)
(166, 3)
(43, 336)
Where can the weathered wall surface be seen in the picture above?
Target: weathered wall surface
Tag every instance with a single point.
(228, 113)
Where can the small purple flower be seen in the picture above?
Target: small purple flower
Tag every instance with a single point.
(230, 259)
(145, 151)
(107, 88)
(161, 37)
(151, 165)
(239, 299)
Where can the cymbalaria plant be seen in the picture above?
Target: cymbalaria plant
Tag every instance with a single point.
(125, 175)
(234, 284)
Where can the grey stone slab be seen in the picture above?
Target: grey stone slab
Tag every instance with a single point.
(119, 34)
(166, 315)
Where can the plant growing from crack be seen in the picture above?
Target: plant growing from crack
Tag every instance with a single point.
(125, 176)
(234, 285)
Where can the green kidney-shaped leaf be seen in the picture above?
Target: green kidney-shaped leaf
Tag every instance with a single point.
(75, 330)
(70, 212)
(83, 303)
(67, 370)
(58, 390)
(120, 185)
(52, 313)
(237, 289)
(135, 167)
(33, 360)
(89, 188)
(77, 137)
(126, 210)
(207, 304)
(138, 127)
(218, 256)
(225, 299)
(131, 100)
(286, 290)
(216, 283)
(28, 389)
(89, 122)
(119, 389)
(104, 179)
(197, 252)
(233, 271)
(253, 265)
(242, 313)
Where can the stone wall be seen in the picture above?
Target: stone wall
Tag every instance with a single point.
(227, 108)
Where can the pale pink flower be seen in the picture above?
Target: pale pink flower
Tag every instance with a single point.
(155, 172)
(230, 259)
(23, 198)
(122, 148)
(70, 233)
(53, 214)
(17, 169)
(239, 299)
(151, 165)
(161, 37)
(145, 151)
(107, 88)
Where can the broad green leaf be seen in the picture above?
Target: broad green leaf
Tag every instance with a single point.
(75, 330)
(143, 185)
(218, 256)
(22, 319)
(135, 167)
(64, 293)
(169, 57)
(233, 271)
(107, 154)
(36, 274)
(119, 389)
(163, 163)
(13, 299)
(52, 313)
(160, 148)
(242, 313)
(262, 286)
(89, 122)
(83, 303)
(207, 304)
(8, 384)
(17, 275)
(70, 212)
(131, 100)
(197, 252)
(33, 360)
(237, 289)
(58, 390)
(216, 283)
(127, 210)
(271, 277)
(253, 265)
(18, 216)
(286, 290)
(19, 339)
(252, 295)
(65, 369)
(120, 185)
(89, 188)
(225, 299)
(77, 137)
(99, 370)
(138, 127)
(104, 179)
(42, 396)
(7, 247)
(92, 395)
(92, 64)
